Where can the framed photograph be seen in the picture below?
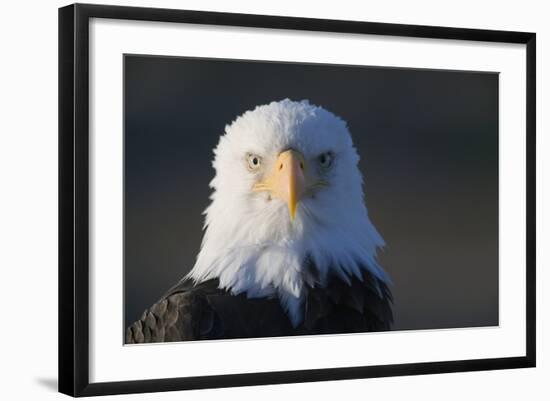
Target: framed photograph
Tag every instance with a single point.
(251, 199)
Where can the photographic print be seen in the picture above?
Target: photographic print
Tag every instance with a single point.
(261, 186)
(266, 199)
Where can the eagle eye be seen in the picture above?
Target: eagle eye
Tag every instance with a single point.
(325, 159)
(254, 161)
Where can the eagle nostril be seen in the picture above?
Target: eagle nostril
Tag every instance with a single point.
(280, 166)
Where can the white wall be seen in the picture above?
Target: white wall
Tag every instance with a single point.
(28, 198)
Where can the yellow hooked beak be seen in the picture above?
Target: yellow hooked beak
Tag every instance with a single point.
(287, 180)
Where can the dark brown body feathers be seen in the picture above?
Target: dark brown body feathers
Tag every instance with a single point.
(205, 312)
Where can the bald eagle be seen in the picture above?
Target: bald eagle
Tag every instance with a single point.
(288, 247)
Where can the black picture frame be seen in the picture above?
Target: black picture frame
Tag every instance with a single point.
(74, 198)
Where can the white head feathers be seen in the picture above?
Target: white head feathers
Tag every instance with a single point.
(251, 244)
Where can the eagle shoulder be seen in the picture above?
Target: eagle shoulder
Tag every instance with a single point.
(357, 305)
(182, 314)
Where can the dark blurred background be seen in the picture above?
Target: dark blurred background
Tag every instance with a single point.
(428, 142)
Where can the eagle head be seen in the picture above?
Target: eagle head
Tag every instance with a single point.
(287, 210)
